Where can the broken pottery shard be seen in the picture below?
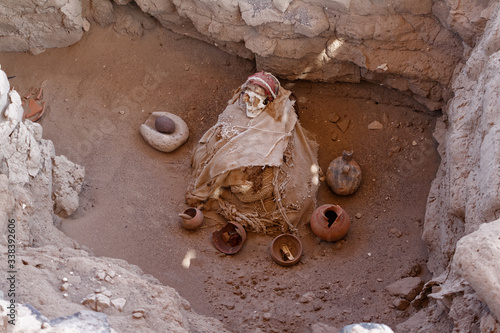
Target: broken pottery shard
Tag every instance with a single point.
(163, 141)
(375, 125)
(343, 124)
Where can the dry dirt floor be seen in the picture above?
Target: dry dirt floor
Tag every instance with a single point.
(100, 90)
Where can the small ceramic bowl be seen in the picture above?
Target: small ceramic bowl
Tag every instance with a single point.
(192, 218)
(230, 238)
(286, 250)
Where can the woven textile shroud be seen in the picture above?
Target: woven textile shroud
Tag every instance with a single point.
(260, 172)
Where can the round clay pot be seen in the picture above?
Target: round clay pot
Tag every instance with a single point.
(230, 238)
(192, 218)
(286, 250)
(330, 222)
(344, 174)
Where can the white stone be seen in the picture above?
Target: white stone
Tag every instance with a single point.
(68, 181)
(119, 303)
(477, 259)
(162, 141)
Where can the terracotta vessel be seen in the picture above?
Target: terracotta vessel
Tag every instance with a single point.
(344, 174)
(330, 222)
(230, 238)
(286, 250)
(192, 218)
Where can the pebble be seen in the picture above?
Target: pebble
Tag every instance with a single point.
(414, 143)
(164, 124)
(138, 314)
(86, 25)
(119, 303)
(307, 297)
(121, 112)
(64, 286)
(380, 280)
(358, 215)
(334, 117)
(400, 304)
(375, 125)
(267, 316)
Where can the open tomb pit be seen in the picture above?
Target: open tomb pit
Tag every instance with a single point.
(98, 92)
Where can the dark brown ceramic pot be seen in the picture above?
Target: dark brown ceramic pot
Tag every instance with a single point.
(230, 238)
(344, 174)
(330, 222)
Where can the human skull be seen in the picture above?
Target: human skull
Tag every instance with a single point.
(255, 101)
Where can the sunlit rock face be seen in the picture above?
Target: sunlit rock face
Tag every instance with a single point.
(34, 26)
(411, 46)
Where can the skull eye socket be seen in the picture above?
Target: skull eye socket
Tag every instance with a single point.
(265, 102)
(246, 98)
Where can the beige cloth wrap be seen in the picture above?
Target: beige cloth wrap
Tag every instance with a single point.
(261, 172)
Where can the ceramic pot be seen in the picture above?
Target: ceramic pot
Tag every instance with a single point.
(286, 250)
(230, 238)
(344, 174)
(192, 218)
(330, 222)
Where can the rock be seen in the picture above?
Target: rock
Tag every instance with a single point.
(323, 328)
(407, 288)
(164, 124)
(102, 12)
(334, 117)
(282, 5)
(164, 142)
(139, 313)
(83, 321)
(97, 302)
(343, 124)
(119, 303)
(86, 25)
(366, 328)
(50, 24)
(375, 125)
(477, 259)
(400, 303)
(307, 297)
(67, 178)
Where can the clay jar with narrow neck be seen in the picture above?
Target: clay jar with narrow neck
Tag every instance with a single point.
(330, 222)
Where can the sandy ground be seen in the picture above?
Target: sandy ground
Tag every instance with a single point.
(100, 90)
